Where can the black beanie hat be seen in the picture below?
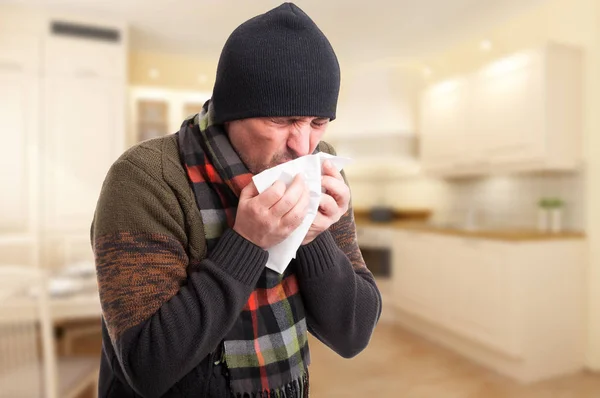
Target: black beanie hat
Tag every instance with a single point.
(276, 64)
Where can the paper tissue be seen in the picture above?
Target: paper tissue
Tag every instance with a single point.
(281, 254)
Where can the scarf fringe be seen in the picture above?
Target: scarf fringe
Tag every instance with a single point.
(294, 389)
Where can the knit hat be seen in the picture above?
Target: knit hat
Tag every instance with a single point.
(276, 64)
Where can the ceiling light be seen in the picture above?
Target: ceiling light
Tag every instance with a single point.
(447, 86)
(485, 45)
(153, 73)
(508, 64)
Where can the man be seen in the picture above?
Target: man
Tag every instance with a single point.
(180, 234)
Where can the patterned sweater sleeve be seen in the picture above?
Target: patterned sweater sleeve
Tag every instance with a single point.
(163, 314)
(343, 303)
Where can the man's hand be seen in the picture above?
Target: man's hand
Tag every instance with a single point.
(268, 218)
(334, 202)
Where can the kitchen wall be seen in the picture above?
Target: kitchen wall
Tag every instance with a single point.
(501, 201)
(171, 71)
(511, 201)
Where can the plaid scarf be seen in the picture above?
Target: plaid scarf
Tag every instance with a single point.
(266, 351)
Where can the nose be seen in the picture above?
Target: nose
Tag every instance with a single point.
(299, 139)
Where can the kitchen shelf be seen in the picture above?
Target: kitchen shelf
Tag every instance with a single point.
(153, 119)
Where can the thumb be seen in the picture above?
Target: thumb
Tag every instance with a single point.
(249, 191)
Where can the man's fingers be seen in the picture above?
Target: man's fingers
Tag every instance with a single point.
(330, 170)
(249, 191)
(336, 189)
(328, 206)
(290, 198)
(271, 195)
(294, 217)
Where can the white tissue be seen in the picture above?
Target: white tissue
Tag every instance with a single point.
(281, 254)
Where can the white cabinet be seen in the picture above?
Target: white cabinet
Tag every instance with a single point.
(83, 136)
(444, 130)
(83, 132)
(74, 57)
(62, 104)
(482, 304)
(19, 53)
(415, 271)
(19, 115)
(154, 112)
(514, 306)
(459, 284)
(508, 109)
(519, 113)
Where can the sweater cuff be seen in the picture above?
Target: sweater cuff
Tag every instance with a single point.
(317, 257)
(239, 257)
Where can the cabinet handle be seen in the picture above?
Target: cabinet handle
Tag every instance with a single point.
(472, 163)
(86, 73)
(508, 148)
(7, 65)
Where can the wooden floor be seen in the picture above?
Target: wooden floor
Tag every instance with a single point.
(400, 364)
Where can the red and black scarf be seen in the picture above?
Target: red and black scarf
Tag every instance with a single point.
(266, 351)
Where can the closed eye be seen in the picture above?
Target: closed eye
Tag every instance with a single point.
(279, 121)
(288, 121)
(320, 122)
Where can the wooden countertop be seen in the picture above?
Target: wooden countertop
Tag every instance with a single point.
(511, 235)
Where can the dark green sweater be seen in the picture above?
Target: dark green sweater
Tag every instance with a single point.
(167, 305)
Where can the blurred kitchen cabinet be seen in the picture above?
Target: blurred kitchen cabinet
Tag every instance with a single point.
(508, 104)
(415, 271)
(19, 53)
(63, 87)
(457, 284)
(522, 113)
(155, 112)
(77, 57)
(444, 130)
(191, 108)
(19, 108)
(153, 120)
(19, 113)
(517, 307)
(528, 107)
(84, 127)
(482, 304)
(82, 138)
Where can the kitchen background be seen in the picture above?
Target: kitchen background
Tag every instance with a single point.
(474, 129)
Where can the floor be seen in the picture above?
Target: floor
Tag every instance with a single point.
(400, 364)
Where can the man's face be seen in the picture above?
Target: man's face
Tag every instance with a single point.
(266, 142)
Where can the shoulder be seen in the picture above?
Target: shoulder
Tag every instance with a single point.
(136, 196)
(154, 157)
(326, 147)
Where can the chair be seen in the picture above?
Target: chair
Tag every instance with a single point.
(29, 366)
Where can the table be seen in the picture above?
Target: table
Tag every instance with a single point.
(75, 307)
